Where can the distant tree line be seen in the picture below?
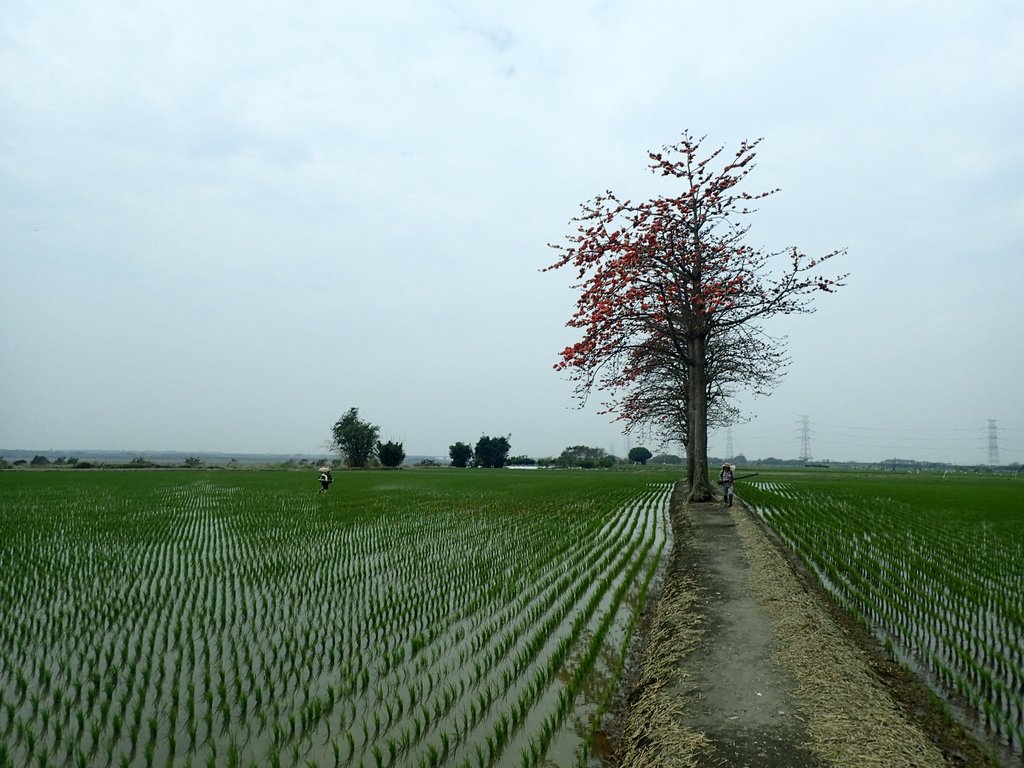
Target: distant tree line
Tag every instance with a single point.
(586, 457)
(357, 442)
(490, 452)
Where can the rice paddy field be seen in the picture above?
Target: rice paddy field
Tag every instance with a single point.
(933, 564)
(237, 618)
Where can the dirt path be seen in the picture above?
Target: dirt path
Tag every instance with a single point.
(738, 697)
(745, 664)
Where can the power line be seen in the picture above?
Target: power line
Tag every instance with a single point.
(935, 443)
(902, 429)
(979, 439)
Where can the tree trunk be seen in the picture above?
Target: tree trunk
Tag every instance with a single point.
(697, 438)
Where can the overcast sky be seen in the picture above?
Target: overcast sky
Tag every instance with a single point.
(222, 224)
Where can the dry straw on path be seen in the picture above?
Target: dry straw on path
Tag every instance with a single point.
(852, 720)
(654, 734)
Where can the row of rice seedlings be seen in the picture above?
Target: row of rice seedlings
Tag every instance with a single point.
(485, 699)
(939, 593)
(142, 682)
(657, 519)
(417, 734)
(492, 666)
(198, 624)
(646, 520)
(551, 716)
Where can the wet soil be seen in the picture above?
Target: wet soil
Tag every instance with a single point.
(742, 660)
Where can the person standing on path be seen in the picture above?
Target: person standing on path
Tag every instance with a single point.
(726, 478)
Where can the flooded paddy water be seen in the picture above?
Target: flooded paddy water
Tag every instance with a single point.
(236, 618)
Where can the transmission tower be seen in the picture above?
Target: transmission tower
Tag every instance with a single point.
(729, 453)
(805, 438)
(993, 444)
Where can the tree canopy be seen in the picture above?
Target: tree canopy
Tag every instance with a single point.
(354, 439)
(460, 454)
(391, 454)
(670, 297)
(585, 457)
(639, 455)
(491, 451)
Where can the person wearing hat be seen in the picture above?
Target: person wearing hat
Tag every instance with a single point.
(325, 479)
(725, 479)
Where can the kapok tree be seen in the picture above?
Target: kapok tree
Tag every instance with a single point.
(671, 275)
(656, 399)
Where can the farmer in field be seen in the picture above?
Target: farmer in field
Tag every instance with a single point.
(325, 479)
(726, 478)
